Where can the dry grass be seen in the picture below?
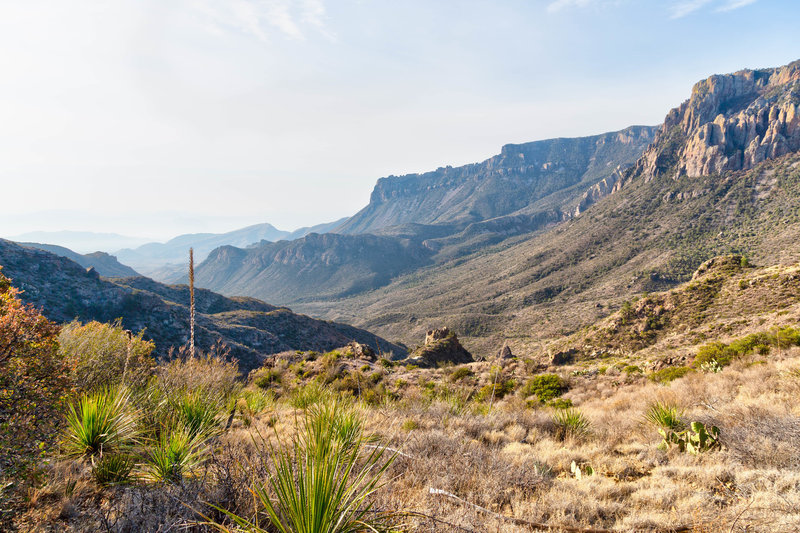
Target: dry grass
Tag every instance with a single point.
(508, 459)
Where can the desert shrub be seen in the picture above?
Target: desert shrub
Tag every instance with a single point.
(668, 374)
(461, 373)
(544, 386)
(175, 454)
(101, 422)
(34, 387)
(410, 425)
(560, 403)
(106, 355)
(265, 378)
(497, 390)
(210, 372)
(114, 469)
(715, 351)
(570, 423)
(321, 481)
(631, 369)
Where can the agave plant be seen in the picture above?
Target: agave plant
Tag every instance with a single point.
(102, 422)
(176, 454)
(665, 416)
(323, 479)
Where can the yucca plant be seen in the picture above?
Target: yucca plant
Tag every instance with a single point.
(323, 479)
(665, 416)
(176, 454)
(101, 422)
(570, 423)
(305, 396)
(199, 413)
(113, 469)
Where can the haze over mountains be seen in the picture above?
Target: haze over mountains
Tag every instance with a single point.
(542, 239)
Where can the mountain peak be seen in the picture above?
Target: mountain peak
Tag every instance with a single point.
(730, 122)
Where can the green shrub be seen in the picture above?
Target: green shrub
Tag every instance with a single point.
(102, 422)
(545, 387)
(715, 351)
(497, 390)
(410, 425)
(570, 423)
(461, 373)
(668, 374)
(560, 403)
(631, 369)
(265, 378)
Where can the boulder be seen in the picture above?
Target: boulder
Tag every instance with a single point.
(441, 347)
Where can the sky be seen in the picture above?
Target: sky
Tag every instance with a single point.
(151, 119)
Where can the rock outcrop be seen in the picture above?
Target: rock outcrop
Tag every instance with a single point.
(441, 347)
(730, 122)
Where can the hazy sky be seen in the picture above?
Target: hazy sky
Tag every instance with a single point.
(154, 118)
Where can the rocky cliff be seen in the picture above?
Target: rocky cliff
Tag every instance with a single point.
(730, 122)
(530, 177)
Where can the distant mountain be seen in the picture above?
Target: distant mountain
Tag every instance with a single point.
(722, 176)
(329, 265)
(169, 261)
(251, 328)
(420, 220)
(105, 265)
(80, 241)
(523, 179)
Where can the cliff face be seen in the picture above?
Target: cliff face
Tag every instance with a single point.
(730, 122)
(544, 175)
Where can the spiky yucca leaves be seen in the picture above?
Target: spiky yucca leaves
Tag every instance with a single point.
(114, 469)
(570, 423)
(199, 413)
(102, 422)
(665, 416)
(176, 454)
(323, 478)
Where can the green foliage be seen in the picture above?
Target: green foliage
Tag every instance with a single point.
(198, 412)
(113, 469)
(722, 354)
(669, 374)
(664, 416)
(545, 387)
(307, 395)
(560, 403)
(34, 386)
(265, 378)
(570, 423)
(496, 391)
(410, 425)
(697, 439)
(461, 373)
(102, 422)
(631, 369)
(104, 355)
(176, 454)
(321, 482)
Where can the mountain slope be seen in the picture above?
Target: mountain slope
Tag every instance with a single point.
(651, 233)
(527, 178)
(327, 265)
(251, 328)
(105, 264)
(436, 217)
